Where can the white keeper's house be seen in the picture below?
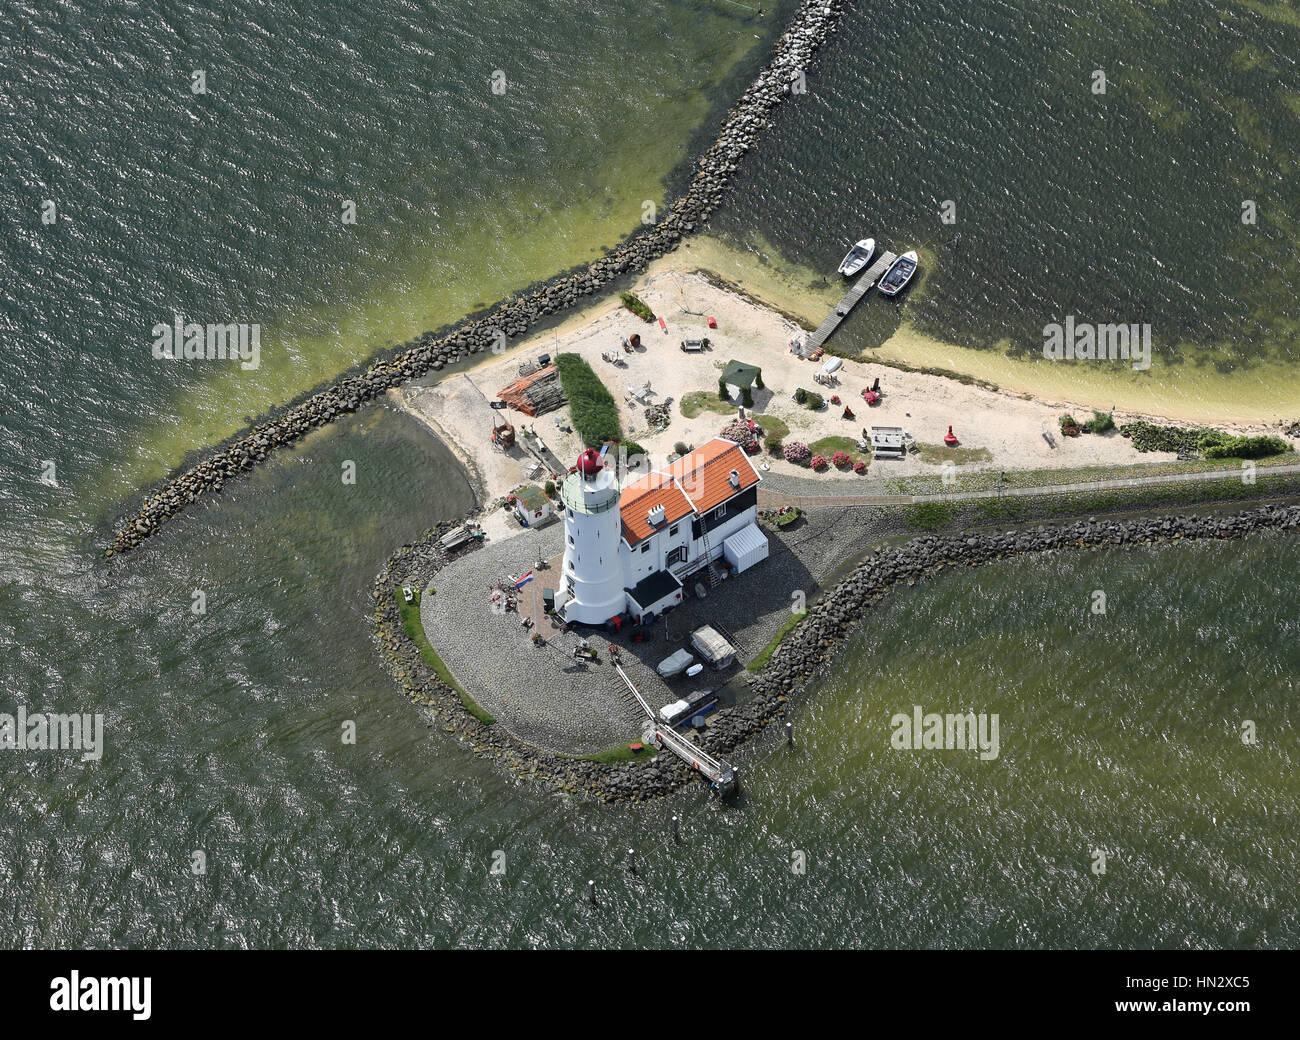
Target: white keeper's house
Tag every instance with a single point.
(631, 549)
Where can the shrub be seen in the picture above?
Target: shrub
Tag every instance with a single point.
(840, 460)
(591, 406)
(1099, 423)
(818, 462)
(813, 401)
(1068, 425)
(633, 449)
(637, 306)
(800, 395)
(747, 397)
(743, 434)
(549, 488)
(859, 468)
(723, 395)
(797, 452)
(1150, 437)
(681, 448)
(774, 445)
(1224, 446)
(758, 379)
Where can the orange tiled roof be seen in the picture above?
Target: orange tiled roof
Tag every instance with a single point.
(705, 473)
(641, 496)
(696, 482)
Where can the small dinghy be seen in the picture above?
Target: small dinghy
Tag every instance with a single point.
(858, 257)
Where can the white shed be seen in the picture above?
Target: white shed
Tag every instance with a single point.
(745, 548)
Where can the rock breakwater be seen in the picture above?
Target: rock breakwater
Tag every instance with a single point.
(810, 27)
(803, 655)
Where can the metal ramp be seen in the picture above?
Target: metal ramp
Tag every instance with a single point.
(723, 777)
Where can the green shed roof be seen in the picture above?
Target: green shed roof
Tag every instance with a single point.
(737, 373)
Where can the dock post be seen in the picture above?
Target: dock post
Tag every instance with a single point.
(631, 862)
(676, 834)
(789, 733)
(591, 892)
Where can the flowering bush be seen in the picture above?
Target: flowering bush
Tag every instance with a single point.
(797, 452)
(859, 468)
(835, 399)
(841, 459)
(818, 462)
(744, 433)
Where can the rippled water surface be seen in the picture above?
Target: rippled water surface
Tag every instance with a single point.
(223, 728)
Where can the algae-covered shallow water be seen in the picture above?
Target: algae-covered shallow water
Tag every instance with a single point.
(224, 728)
(1117, 207)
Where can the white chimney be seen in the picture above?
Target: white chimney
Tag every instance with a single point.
(734, 478)
(656, 516)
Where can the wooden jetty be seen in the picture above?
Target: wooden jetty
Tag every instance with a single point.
(872, 275)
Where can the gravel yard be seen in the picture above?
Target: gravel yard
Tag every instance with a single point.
(545, 697)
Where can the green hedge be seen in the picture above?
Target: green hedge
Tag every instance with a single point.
(637, 306)
(1225, 446)
(591, 406)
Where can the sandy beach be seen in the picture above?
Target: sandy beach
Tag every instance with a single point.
(997, 429)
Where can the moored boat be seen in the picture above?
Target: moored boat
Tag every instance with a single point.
(858, 257)
(899, 274)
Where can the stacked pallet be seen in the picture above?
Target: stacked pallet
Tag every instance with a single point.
(535, 394)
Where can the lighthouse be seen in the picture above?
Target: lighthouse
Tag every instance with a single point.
(591, 590)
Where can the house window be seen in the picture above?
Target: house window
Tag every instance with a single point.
(645, 546)
(571, 542)
(678, 555)
(672, 530)
(719, 513)
(570, 514)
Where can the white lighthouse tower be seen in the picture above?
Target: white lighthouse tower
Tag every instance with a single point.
(591, 590)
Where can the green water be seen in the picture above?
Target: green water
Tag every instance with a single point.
(223, 729)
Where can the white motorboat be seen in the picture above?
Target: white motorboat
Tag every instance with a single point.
(858, 257)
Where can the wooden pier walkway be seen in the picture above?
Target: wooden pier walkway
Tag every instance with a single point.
(850, 300)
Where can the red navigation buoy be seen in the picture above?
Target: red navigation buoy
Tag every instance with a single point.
(950, 438)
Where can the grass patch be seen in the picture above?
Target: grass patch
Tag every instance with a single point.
(766, 653)
(938, 453)
(703, 401)
(410, 614)
(772, 427)
(930, 516)
(591, 406)
(828, 446)
(622, 753)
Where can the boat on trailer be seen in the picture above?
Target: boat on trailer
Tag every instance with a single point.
(858, 257)
(899, 274)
